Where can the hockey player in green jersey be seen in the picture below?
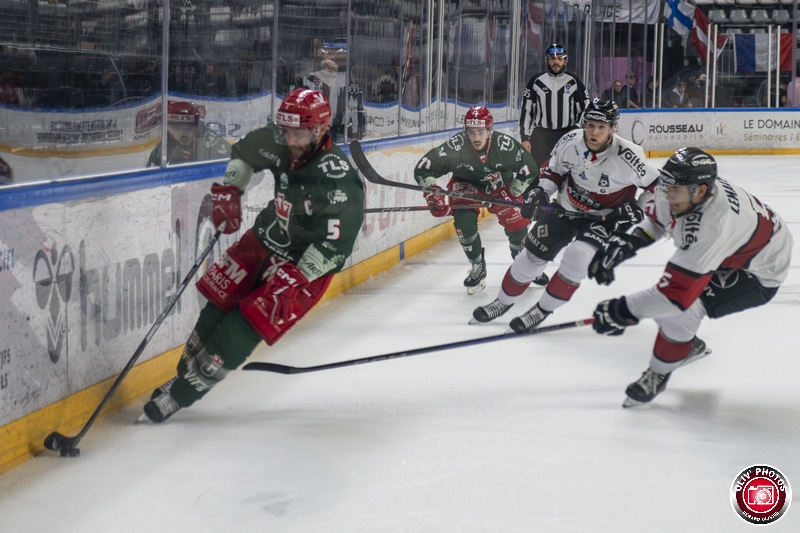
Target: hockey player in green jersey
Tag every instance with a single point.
(280, 268)
(484, 163)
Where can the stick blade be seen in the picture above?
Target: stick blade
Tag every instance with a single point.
(270, 367)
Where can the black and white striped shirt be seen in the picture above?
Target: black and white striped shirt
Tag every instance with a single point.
(552, 102)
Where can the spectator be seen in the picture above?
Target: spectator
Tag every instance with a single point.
(793, 93)
(188, 139)
(6, 174)
(677, 96)
(697, 93)
(632, 93)
(616, 95)
(651, 93)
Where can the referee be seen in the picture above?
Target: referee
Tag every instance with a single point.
(552, 105)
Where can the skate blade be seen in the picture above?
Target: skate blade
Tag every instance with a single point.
(143, 420)
(477, 288)
(630, 402)
(695, 358)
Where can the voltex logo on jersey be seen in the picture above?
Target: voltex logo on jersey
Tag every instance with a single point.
(761, 494)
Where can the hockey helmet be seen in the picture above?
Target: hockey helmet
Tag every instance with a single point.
(690, 167)
(602, 111)
(304, 108)
(478, 117)
(182, 113)
(556, 50)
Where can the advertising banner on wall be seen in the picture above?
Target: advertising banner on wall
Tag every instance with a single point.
(742, 131)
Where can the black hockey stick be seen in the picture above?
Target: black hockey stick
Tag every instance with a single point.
(67, 445)
(372, 175)
(283, 369)
(368, 210)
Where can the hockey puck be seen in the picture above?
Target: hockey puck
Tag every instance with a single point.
(70, 452)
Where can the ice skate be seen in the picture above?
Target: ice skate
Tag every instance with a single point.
(487, 313)
(698, 351)
(542, 280)
(529, 320)
(163, 389)
(161, 408)
(476, 279)
(647, 387)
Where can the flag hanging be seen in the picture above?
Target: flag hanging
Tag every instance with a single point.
(751, 52)
(700, 33)
(680, 16)
(691, 23)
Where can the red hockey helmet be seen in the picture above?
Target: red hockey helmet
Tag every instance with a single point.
(182, 113)
(304, 108)
(478, 117)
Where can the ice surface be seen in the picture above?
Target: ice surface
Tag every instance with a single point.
(519, 435)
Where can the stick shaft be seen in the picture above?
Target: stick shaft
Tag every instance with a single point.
(284, 369)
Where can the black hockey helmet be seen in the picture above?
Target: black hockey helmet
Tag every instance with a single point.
(556, 49)
(602, 111)
(691, 167)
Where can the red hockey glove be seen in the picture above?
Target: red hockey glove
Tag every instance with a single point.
(282, 288)
(508, 217)
(437, 203)
(227, 207)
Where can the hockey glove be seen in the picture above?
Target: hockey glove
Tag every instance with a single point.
(536, 197)
(611, 317)
(282, 288)
(509, 217)
(437, 203)
(618, 248)
(227, 206)
(625, 215)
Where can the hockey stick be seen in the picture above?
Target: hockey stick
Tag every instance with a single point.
(283, 369)
(57, 442)
(372, 175)
(368, 210)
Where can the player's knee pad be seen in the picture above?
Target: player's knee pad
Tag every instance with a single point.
(683, 326)
(205, 370)
(235, 273)
(526, 267)
(575, 261)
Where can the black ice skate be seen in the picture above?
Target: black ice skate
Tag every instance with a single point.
(647, 387)
(476, 279)
(542, 280)
(487, 313)
(697, 352)
(163, 389)
(161, 408)
(529, 320)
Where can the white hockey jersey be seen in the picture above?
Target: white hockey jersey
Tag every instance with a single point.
(588, 181)
(733, 230)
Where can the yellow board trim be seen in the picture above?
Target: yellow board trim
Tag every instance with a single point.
(22, 439)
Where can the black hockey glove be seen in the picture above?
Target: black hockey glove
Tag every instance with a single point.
(625, 215)
(535, 197)
(618, 248)
(611, 317)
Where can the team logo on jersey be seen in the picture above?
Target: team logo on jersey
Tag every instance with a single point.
(495, 179)
(760, 494)
(603, 181)
(690, 230)
(337, 196)
(283, 210)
